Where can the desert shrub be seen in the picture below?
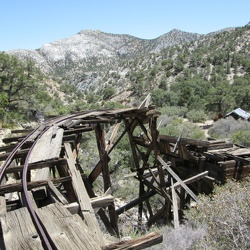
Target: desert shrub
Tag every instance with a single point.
(226, 215)
(235, 130)
(108, 92)
(241, 137)
(176, 126)
(174, 110)
(113, 105)
(196, 115)
(181, 238)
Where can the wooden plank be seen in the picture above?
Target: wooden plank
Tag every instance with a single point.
(37, 165)
(17, 187)
(19, 154)
(102, 201)
(57, 193)
(3, 209)
(100, 139)
(73, 208)
(82, 196)
(241, 151)
(153, 192)
(48, 146)
(112, 137)
(19, 231)
(177, 178)
(138, 243)
(65, 230)
(175, 206)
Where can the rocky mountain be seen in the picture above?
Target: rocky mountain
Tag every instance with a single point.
(179, 69)
(123, 68)
(93, 48)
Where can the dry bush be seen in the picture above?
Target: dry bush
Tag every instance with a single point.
(226, 215)
(180, 239)
(235, 130)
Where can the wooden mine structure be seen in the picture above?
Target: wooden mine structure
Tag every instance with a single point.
(49, 200)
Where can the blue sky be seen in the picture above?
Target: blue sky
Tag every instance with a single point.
(28, 24)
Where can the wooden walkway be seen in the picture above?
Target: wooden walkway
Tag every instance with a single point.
(48, 200)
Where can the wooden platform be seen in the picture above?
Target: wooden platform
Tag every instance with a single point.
(50, 200)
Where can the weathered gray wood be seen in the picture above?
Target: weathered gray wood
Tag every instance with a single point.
(17, 187)
(101, 201)
(73, 208)
(138, 243)
(177, 178)
(100, 139)
(82, 196)
(145, 102)
(48, 146)
(3, 208)
(175, 206)
(37, 165)
(19, 231)
(112, 137)
(149, 194)
(57, 193)
(66, 230)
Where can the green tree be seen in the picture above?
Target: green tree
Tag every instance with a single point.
(108, 92)
(3, 104)
(17, 80)
(219, 98)
(241, 92)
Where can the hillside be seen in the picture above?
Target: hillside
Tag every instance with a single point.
(92, 48)
(178, 68)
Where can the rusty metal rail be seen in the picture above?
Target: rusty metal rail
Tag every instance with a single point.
(62, 199)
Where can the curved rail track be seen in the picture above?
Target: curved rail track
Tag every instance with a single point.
(46, 242)
(62, 199)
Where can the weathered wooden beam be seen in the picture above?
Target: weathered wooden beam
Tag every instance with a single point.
(151, 193)
(138, 243)
(100, 140)
(176, 177)
(175, 206)
(20, 154)
(101, 211)
(19, 231)
(57, 193)
(48, 146)
(17, 187)
(67, 231)
(150, 185)
(80, 129)
(73, 208)
(98, 168)
(132, 144)
(105, 172)
(21, 131)
(13, 139)
(101, 201)
(82, 196)
(3, 208)
(37, 165)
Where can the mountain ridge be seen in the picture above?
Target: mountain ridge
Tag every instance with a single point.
(98, 45)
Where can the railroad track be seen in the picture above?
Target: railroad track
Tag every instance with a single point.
(56, 208)
(48, 200)
(36, 134)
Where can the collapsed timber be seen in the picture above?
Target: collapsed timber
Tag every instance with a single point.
(49, 199)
